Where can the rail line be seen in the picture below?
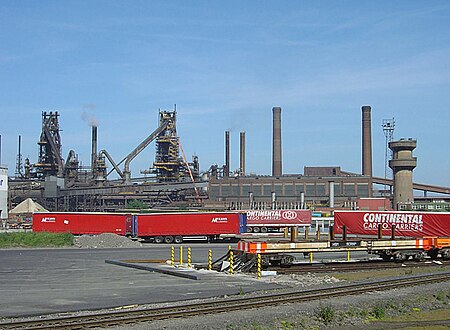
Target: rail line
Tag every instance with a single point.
(145, 315)
(353, 266)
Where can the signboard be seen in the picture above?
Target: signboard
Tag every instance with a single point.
(279, 217)
(409, 224)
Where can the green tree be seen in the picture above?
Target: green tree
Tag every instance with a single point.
(136, 204)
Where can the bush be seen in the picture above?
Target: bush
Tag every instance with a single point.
(379, 312)
(326, 314)
(30, 239)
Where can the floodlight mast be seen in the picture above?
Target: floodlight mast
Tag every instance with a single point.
(388, 129)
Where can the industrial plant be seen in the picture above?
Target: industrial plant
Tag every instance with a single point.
(174, 182)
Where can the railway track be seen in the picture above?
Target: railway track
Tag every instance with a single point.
(226, 305)
(353, 266)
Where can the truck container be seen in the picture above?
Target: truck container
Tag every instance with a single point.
(407, 223)
(274, 220)
(176, 227)
(83, 223)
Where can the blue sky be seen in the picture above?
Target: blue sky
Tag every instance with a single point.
(225, 65)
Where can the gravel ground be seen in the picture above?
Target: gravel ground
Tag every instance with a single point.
(105, 241)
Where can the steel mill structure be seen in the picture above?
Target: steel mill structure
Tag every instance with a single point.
(172, 182)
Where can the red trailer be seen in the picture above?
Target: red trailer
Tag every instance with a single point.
(175, 227)
(83, 223)
(408, 224)
(273, 220)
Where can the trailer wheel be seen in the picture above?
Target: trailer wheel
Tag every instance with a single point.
(249, 229)
(433, 253)
(168, 239)
(419, 256)
(399, 257)
(263, 229)
(445, 253)
(256, 229)
(178, 239)
(158, 239)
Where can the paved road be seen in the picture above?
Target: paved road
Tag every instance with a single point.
(41, 281)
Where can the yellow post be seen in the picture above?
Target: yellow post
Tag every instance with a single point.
(258, 267)
(318, 233)
(181, 255)
(306, 232)
(286, 232)
(172, 256)
(189, 257)
(294, 232)
(210, 260)
(229, 247)
(310, 257)
(231, 262)
(348, 255)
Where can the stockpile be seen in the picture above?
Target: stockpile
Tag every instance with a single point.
(105, 240)
(302, 280)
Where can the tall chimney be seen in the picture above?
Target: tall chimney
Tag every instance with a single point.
(226, 170)
(19, 159)
(367, 144)
(366, 141)
(242, 154)
(276, 151)
(94, 149)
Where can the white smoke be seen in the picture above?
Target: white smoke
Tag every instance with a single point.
(88, 117)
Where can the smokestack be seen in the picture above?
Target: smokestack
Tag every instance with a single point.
(226, 170)
(19, 159)
(242, 153)
(276, 151)
(94, 149)
(366, 141)
(367, 144)
(331, 202)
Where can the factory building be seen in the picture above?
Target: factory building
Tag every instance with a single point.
(331, 189)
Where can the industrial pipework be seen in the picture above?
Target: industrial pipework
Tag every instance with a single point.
(136, 151)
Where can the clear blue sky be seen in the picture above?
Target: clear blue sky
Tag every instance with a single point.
(225, 65)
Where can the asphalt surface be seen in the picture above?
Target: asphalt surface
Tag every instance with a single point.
(44, 281)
